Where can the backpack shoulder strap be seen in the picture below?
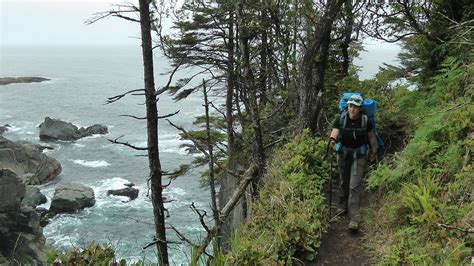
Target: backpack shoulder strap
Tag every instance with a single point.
(343, 119)
(364, 122)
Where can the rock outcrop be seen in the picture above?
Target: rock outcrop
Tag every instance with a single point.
(10, 80)
(33, 197)
(28, 162)
(130, 192)
(71, 197)
(4, 128)
(55, 129)
(21, 235)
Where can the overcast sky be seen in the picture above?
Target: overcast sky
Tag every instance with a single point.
(61, 22)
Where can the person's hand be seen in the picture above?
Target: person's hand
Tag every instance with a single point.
(372, 156)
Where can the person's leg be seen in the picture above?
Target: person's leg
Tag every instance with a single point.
(344, 180)
(355, 190)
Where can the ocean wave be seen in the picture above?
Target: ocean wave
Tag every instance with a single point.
(93, 164)
(104, 201)
(22, 128)
(95, 136)
(110, 183)
(79, 145)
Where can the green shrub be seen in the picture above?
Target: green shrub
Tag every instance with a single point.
(92, 254)
(290, 214)
(429, 184)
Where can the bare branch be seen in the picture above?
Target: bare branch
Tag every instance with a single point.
(160, 241)
(167, 185)
(158, 92)
(248, 175)
(159, 117)
(136, 117)
(273, 143)
(182, 236)
(120, 96)
(217, 110)
(468, 231)
(116, 141)
(197, 144)
(201, 216)
(136, 220)
(168, 115)
(114, 13)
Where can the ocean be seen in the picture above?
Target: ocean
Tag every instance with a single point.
(82, 78)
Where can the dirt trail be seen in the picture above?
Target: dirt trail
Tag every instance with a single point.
(339, 246)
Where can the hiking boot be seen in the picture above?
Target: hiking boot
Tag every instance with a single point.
(354, 226)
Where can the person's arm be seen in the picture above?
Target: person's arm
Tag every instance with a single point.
(373, 145)
(335, 131)
(334, 134)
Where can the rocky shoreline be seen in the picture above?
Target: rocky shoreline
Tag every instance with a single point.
(23, 166)
(12, 80)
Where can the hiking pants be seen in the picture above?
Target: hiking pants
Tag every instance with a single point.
(351, 183)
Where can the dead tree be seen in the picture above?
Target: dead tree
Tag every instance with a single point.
(156, 173)
(152, 130)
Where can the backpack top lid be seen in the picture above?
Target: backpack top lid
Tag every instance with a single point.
(370, 106)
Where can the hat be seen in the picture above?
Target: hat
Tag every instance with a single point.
(355, 100)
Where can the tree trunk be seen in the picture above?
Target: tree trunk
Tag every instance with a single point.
(212, 182)
(152, 132)
(230, 87)
(263, 59)
(251, 89)
(349, 24)
(229, 182)
(318, 49)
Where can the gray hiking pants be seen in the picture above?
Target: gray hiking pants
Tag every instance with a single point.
(351, 183)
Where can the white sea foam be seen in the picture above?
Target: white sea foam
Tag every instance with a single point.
(68, 225)
(101, 187)
(22, 128)
(103, 201)
(14, 129)
(92, 136)
(176, 192)
(79, 145)
(93, 164)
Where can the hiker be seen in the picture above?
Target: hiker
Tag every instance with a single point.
(352, 132)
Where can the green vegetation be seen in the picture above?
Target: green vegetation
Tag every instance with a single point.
(92, 254)
(428, 186)
(290, 214)
(277, 82)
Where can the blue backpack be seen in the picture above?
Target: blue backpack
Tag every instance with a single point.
(368, 114)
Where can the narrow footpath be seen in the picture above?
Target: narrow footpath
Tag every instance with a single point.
(339, 246)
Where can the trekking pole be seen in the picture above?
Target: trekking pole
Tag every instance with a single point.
(330, 177)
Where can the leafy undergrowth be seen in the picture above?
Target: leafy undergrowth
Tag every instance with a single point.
(290, 214)
(427, 204)
(91, 254)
